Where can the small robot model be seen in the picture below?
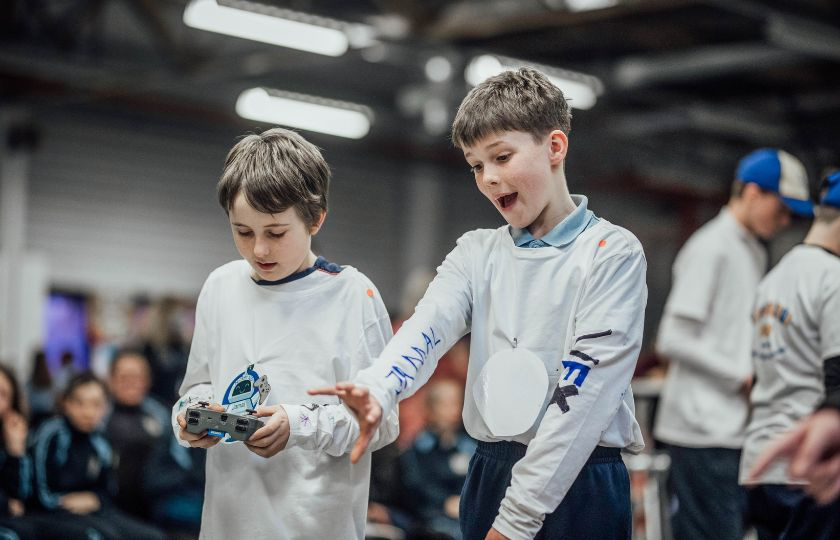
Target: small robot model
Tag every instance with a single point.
(245, 393)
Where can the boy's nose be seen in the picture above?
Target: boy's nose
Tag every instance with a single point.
(490, 177)
(260, 248)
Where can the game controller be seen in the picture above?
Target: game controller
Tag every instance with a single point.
(218, 423)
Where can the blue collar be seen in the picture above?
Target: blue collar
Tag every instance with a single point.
(564, 232)
(320, 264)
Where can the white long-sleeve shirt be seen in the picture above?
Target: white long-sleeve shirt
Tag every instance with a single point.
(578, 307)
(310, 332)
(706, 334)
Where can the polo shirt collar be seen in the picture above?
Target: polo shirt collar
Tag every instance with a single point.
(564, 232)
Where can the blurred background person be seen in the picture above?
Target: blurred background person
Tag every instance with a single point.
(173, 487)
(436, 464)
(705, 334)
(15, 466)
(796, 357)
(166, 349)
(73, 470)
(387, 503)
(136, 424)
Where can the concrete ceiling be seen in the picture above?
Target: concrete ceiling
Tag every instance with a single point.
(689, 86)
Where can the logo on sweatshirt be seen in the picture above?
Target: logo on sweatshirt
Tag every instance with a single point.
(416, 356)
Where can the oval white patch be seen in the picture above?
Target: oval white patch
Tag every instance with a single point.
(510, 391)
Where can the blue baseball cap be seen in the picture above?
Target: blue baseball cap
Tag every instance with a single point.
(831, 186)
(777, 171)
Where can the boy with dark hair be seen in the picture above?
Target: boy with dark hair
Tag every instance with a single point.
(796, 358)
(555, 302)
(285, 317)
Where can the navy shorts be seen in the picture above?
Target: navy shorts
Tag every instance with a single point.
(597, 506)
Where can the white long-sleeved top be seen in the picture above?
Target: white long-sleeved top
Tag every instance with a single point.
(706, 334)
(310, 332)
(579, 308)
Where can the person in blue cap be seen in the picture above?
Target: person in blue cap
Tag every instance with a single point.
(706, 336)
(796, 357)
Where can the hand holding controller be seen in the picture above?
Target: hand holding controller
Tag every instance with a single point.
(218, 423)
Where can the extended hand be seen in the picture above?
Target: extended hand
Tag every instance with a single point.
(198, 440)
(80, 502)
(363, 405)
(813, 448)
(273, 436)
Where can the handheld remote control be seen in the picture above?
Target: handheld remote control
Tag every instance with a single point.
(217, 423)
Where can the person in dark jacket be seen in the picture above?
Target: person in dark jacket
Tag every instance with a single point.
(435, 466)
(137, 424)
(74, 478)
(15, 466)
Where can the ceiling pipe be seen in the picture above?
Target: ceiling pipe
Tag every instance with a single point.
(696, 64)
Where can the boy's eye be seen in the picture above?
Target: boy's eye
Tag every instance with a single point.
(503, 157)
(475, 168)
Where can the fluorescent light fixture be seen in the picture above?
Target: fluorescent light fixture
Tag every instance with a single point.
(580, 89)
(268, 24)
(305, 112)
(589, 5)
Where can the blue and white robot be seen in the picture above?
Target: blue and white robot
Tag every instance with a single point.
(244, 394)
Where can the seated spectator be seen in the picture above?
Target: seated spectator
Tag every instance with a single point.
(73, 466)
(436, 465)
(136, 425)
(15, 468)
(166, 348)
(387, 502)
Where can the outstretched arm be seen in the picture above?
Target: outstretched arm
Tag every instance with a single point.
(336, 428)
(813, 448)
(441, 318)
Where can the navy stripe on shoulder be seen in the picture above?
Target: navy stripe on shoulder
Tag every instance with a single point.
(325, 266)
(320, 264)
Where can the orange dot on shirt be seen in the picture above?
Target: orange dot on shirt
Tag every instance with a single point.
(602, 243)
(370, 292)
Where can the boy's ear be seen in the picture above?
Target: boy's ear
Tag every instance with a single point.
(558, 146)
(317, 226)
(751, 191)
